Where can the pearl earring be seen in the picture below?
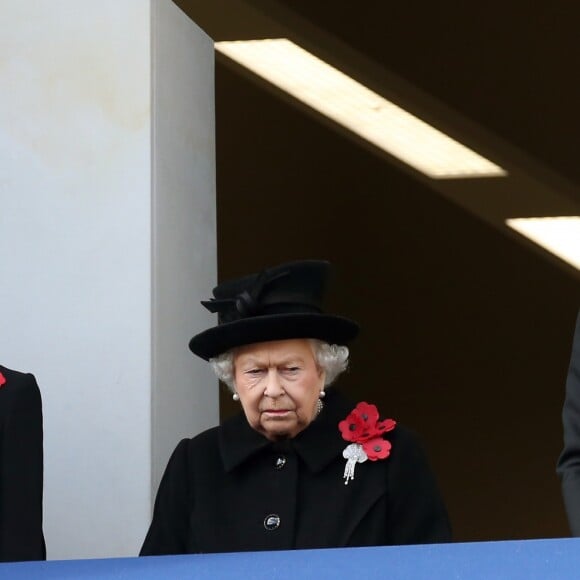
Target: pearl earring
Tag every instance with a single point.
(236, 397)
(322, 394)
(319, 407)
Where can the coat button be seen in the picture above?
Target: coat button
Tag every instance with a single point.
(272, 522)
(280, 462)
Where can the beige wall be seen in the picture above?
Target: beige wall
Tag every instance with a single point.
(107, 244)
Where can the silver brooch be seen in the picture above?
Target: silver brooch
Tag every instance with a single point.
(353, 453)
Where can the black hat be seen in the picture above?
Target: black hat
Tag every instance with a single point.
(279, 303)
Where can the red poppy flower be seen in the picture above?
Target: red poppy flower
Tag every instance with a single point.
(352, 428)
(2, 380)
(368, 413)
(386, 425)
(377, 448)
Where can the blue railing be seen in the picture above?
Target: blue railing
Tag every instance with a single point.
(525, 559)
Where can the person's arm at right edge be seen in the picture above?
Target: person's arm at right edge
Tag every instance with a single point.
(569, 463)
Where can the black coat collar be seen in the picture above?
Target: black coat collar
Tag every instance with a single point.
(318, 445)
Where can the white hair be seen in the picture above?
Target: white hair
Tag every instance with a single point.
(331, 358)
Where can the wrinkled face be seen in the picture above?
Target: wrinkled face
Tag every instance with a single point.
(278, 383)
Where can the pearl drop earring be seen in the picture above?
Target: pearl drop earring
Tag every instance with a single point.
(236, 397)
(322, 394)
(319, 407)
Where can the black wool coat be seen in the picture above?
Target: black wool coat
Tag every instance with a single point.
(230, 489)
(21, 468)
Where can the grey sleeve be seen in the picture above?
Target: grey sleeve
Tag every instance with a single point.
(569, 462)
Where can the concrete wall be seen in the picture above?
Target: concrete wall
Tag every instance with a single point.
(107, 243)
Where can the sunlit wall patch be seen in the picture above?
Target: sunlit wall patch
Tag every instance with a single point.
(558, 235)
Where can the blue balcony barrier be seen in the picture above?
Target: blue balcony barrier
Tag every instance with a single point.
(526, 559)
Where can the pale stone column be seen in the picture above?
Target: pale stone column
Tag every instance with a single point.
(107, 244)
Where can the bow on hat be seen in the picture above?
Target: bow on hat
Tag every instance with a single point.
(247, 302)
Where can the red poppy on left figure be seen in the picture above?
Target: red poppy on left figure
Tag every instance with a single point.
(2, 379)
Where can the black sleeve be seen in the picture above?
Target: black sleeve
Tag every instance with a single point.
(569, 462)
(21, 468)
(417, 512)
(169, 530)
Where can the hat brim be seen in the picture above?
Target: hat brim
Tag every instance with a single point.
(329, 328)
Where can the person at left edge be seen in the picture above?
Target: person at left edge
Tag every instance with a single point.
(21, 468)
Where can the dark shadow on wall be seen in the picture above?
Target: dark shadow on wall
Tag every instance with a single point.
(465, 334)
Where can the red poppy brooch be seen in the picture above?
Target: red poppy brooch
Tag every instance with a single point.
(2, 380)
(364, 431)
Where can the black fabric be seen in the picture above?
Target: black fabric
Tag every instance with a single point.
(21, 468)
(219, 488)
(569, 462)
(279, 303)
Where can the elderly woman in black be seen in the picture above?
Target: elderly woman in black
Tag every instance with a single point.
(300, 467)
